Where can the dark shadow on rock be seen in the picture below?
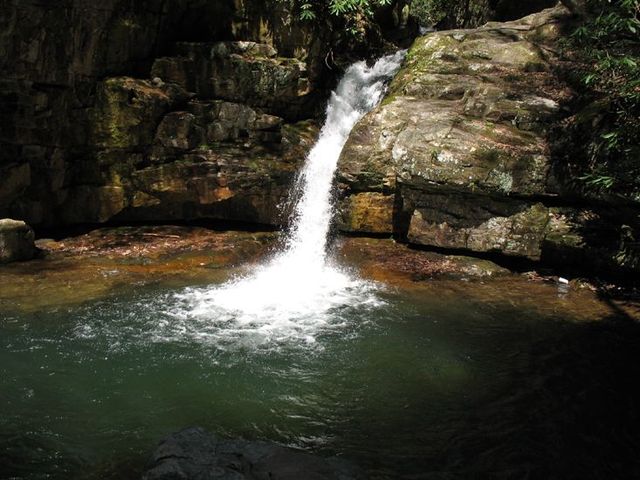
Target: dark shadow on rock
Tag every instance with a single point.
(195, 454)
(513, 263)
(601, 232)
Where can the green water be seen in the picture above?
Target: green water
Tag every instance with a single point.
(431, 385)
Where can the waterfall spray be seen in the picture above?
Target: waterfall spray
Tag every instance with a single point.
(295, 292)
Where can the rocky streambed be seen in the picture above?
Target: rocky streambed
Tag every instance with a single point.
(102, 262)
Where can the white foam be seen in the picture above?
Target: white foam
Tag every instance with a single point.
(299, 291)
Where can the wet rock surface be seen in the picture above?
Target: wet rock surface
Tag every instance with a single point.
(194, 453)
(94, 265)
(389, 261)
(106, 262)
(459, 156)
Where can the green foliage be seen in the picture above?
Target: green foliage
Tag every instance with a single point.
(352, 13)
(311, 9)
(307, 12)
(454, 13)
(608, 43)
(344, 7)
(430, 12)
(613, 20)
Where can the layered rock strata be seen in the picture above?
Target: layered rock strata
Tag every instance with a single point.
(459, 156)
(98, 126)
(194, 453)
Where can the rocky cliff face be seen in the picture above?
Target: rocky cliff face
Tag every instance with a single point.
(160, 110)
(195, 129)
(458, 156)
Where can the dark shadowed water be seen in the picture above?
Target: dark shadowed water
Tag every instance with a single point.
(426, 384)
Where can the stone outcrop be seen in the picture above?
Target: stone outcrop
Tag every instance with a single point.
(16, 241)
(198, 128)
(155, 152)
(160, 156)
(196, 454)
(458, 155)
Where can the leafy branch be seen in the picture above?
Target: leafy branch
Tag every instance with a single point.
(608, 43)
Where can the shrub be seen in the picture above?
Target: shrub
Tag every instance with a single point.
(608, 45)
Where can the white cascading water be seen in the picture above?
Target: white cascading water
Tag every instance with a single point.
(295, 293)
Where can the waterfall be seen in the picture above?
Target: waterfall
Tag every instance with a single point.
(295, 293)
(360, 89)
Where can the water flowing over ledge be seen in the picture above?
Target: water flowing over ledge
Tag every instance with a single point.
(300, 290)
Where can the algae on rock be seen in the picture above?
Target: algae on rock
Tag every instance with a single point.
(459, 156)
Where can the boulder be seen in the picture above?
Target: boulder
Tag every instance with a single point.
(195, 454)
(480, 225)
(462, 154)
(457, 155)
(16, 241)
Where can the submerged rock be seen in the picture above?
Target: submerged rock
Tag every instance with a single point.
(195, 454)
(16, 241)
(92, 266)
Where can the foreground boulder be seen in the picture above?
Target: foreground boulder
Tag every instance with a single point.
(459, 137)
(195, 454)
(16, 241)
(459, 156)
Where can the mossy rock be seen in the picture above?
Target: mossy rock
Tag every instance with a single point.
(128, 111)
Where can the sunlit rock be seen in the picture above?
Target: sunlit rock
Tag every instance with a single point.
(459, 149)
(369, 212)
